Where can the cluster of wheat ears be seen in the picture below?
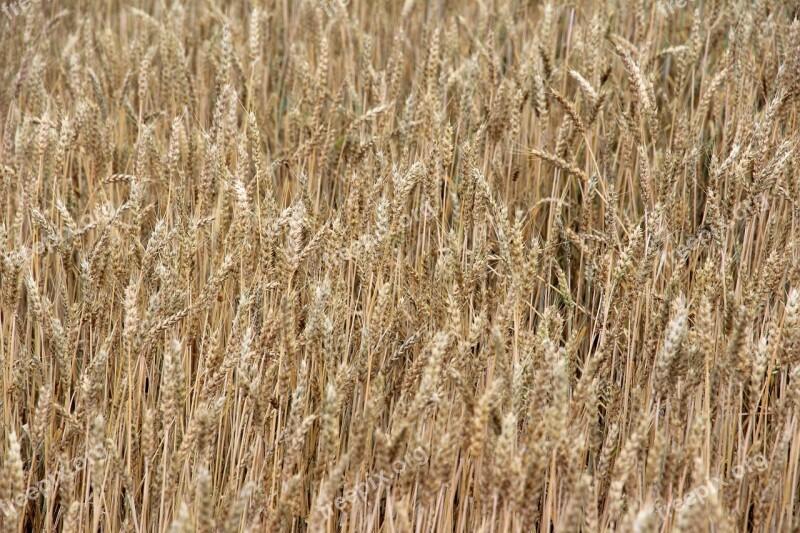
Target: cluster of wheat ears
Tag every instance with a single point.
(420, 266)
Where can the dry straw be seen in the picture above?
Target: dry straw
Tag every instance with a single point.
(256, 254)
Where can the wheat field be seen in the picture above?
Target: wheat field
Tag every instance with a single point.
(416, 266)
